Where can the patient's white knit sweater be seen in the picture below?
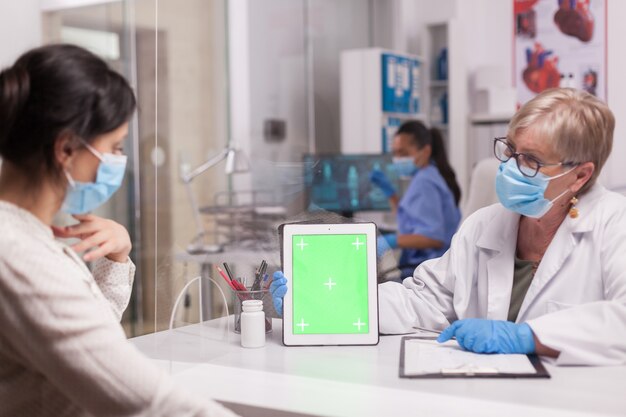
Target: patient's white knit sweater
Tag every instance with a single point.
(62, 349)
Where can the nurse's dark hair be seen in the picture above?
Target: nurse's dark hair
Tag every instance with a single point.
(54, 91)
(422, 136)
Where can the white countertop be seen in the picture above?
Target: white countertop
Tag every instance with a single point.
(363, 380)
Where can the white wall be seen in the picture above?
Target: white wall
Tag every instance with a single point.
(615, 170)
(331, 35)
(284, 64)
(489, 29)
(268, 80)
(20, 29)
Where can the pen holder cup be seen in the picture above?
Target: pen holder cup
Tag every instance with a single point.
(241, 296)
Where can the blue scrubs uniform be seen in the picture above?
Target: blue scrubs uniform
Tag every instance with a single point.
(428, 209)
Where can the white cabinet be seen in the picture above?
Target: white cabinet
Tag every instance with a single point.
(380, 89)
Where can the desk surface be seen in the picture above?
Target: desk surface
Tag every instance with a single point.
(347, 381)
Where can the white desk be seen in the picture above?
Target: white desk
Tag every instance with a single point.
(363, 381)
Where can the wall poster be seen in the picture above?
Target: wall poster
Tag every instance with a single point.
(559, 43)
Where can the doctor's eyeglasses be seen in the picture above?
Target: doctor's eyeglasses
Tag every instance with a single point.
(528, 165)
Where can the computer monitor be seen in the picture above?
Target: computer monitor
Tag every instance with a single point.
(341, 183)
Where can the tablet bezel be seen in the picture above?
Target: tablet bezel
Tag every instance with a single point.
(370, 338)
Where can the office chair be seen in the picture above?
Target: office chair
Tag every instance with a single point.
(482, 188)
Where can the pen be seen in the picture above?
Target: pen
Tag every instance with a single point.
(263, 268)
(239, 285)
(425, 329)
(229, 272)
(230, 283)
(256, 285)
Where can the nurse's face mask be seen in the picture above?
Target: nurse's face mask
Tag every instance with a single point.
(404, 166)
(84, 197)
(523, 192)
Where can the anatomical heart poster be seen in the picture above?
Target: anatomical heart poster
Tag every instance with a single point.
(559, 43)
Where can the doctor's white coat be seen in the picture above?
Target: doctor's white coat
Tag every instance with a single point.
(576, 303)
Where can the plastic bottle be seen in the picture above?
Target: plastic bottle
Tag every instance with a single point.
(252, 324)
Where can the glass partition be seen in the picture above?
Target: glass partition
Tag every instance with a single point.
(107, 31)
(234, 97)
(174, 54)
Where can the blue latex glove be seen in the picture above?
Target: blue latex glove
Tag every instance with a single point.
(490, 336)
(278, 289)
(379, 179)
(385, 243)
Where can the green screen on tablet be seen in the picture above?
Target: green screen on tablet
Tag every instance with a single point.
(330, 284)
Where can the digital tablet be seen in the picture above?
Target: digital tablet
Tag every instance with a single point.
(332, 296)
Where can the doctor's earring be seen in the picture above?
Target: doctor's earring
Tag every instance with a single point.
(573, 211)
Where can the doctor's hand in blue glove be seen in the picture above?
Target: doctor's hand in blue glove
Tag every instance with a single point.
(386, 243)
(278, 289)
(379, 179)
(490, 336)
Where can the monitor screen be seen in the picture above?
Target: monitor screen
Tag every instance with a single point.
(341, 183)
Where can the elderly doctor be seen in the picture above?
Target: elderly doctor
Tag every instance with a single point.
(545, 270)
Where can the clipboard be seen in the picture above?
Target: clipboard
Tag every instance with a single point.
(469, 371)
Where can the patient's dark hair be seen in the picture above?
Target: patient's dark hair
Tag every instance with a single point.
(422, 136)
(58, 90)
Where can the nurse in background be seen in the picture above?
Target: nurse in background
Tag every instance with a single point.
(428, 212)
(63, 119)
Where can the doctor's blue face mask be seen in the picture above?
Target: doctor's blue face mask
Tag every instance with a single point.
(84, 197)
(522, 194)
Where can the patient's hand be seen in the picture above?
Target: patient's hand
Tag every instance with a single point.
(102, 237)
(278, 289)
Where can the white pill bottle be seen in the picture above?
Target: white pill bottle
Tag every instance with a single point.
(252, 324)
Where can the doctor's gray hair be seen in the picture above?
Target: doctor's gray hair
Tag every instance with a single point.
(577, 125)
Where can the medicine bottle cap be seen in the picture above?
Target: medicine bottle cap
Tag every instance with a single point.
(252, 305)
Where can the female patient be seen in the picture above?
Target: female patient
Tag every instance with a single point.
(63, 118)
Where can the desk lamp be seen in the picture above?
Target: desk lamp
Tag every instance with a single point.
(236, 162)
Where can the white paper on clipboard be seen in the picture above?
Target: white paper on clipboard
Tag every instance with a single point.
(423, 357)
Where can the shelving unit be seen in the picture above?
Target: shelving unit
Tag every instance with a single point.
(434, 84)
(436, 36)
(436, 79)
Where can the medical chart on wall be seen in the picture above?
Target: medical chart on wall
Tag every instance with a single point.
(559, 43)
